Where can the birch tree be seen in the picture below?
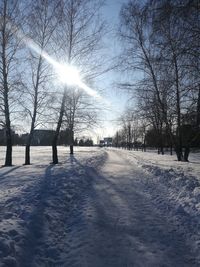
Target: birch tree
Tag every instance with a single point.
(80, 114)
(79, 39)
(43, 18)
(10, 81)
(156, 37)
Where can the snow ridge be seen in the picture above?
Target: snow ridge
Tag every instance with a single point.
(174, 190)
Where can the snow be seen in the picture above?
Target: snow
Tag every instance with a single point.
(182, 179)
(100, 207)
(151, 158)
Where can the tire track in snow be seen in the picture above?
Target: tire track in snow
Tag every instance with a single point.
(124, 228)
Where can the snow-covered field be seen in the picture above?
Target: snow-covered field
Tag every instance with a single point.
(35, 202)
(100, 207)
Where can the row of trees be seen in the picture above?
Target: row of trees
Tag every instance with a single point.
(161, 43)
(83, 142)
(132, 134)
(30, 93)
(135, 133)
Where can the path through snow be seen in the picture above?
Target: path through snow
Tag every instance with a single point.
(123, 227)
(95, 210)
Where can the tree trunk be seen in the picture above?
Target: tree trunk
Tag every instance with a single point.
(27, 150)
(179, 153)
(35, 109)
(145, 143)
(198, 110)
(161, 144)
(171, 149)
(27, 155)
(186, 153)
(54, 150)
(59, 123)
(71, 142)
(28, 143)
(179, 149)
(129, 137)
(55, 141)
(178, 109)
(71, 149)
(8, 160)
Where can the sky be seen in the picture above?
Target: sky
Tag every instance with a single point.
(117, 100)
(113, 100)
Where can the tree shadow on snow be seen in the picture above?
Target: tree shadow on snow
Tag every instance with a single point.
(127, 217)
(35, 224)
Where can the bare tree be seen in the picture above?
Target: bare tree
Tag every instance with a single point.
(176, 23)
(140, 54)
(10, 18)
(79, 40)
(156, 39)
(80, 114)
(42, 21)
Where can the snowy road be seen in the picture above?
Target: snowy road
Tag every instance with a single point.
(95, 210)
(121, 225)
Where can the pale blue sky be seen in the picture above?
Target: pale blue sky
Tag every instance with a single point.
(116, 98)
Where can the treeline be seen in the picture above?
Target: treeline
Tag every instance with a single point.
(44, 138)
(83, 142)
(40, 138)
(36, 37)
(161, 51)
(136, 137)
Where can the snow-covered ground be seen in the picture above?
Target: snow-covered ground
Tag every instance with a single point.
(152, 159)
(100, 207)
(181, 179)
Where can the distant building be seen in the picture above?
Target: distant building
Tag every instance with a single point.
(15, 137)
(107, 141)
(44, 137)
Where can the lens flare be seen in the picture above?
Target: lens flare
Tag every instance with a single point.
(67, 74)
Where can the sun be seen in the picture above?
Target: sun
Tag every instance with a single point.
(68, 74)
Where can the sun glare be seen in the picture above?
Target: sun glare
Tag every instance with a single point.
(68, 74)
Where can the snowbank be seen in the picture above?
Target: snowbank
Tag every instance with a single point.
(181, 179)
(174, 186)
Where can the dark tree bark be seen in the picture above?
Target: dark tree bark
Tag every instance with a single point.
(71, 142)
(35, 110)
(8, 159)
(71, 149)
(186, 153)
(198, 110)
(4, 69)
(28, 145)
(56, 135)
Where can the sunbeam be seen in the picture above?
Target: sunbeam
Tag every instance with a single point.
(67, 74)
